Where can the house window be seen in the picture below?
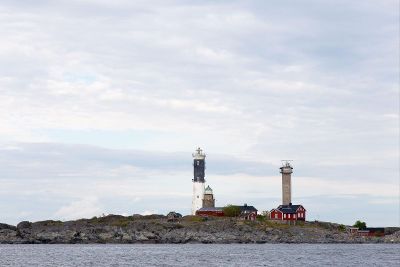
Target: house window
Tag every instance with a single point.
(276, 215)
(284, 216)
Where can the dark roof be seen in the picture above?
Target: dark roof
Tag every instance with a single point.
(288, 209)
(246, 208)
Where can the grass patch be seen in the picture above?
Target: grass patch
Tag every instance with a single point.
(193, 218)
(51, 223)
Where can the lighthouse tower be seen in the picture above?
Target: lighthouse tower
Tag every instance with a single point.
(286, 171)
(208, 200)
(198, 180)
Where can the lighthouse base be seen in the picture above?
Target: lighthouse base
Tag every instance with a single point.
(198, 195)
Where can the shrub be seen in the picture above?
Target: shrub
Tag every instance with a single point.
(261, 218)
(231, 211)
(360, 225)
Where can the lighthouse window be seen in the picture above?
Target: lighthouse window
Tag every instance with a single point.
(198, 162)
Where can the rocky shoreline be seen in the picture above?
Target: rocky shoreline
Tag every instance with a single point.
(157, 229)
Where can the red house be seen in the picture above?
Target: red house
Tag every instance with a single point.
(288, 213)
(250, 216)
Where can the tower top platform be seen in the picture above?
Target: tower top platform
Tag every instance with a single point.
(286, 166)
(199, 154)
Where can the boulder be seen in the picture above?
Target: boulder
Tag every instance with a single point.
(24, 225)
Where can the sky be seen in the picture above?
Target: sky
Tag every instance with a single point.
(102, 104)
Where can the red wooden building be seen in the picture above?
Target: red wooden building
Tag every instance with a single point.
(218, 212)
(288, 213)
(375, 231)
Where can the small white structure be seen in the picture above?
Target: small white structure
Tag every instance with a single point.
(198, 180)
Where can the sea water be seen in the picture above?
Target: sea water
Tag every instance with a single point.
(202, 255)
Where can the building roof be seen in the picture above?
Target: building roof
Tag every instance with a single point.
(244, 208)
(288, 209)
(211, 209)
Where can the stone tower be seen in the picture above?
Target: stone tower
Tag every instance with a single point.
(208, 200)
(286, 171)
(198, 180)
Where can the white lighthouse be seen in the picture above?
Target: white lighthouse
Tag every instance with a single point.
(198, 180)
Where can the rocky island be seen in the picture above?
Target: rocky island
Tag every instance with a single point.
(159, 229)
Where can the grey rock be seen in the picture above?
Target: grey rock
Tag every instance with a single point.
(7, 226)
(24, 225)
(189, 229)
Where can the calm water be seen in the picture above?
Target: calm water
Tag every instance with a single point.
(201, 255)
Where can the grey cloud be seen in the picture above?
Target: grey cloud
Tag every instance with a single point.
(50, 160)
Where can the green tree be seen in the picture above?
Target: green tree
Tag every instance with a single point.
(231, 211)
(360, 225)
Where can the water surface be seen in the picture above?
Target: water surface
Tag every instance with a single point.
(202, 255)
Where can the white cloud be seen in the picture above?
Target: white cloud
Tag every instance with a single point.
(84, 208)
(251, 82)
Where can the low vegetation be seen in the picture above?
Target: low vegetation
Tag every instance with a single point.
(193, 218)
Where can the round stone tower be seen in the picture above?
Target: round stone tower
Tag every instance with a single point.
(286, 171)
(198, 180)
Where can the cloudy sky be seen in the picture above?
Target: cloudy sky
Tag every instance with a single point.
(103, 102)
